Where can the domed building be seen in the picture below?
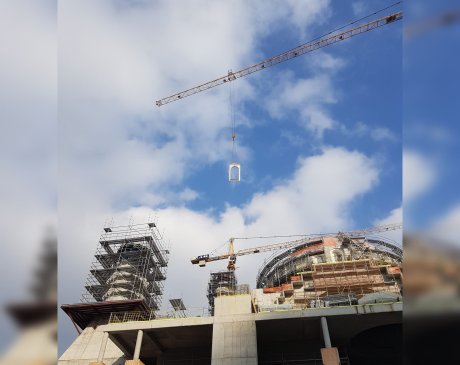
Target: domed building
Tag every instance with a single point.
(331, 271)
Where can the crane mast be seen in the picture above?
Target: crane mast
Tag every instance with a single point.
(293, 53)
(231, 255)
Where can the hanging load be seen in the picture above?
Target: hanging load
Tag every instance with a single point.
(234, 172)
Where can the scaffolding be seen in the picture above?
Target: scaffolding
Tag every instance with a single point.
(220, 283)
(331, 272)
(130, 263)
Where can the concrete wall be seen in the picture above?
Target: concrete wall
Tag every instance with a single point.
(85, 349)
(234, 337)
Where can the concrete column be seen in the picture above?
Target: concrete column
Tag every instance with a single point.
(325, 329)
(234, 335)
(137, 349)
(329, 354)
(105, 337)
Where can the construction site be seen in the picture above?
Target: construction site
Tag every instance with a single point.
(319, 300)
(331, 298)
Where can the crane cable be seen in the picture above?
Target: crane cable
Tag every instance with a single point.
(232, 120)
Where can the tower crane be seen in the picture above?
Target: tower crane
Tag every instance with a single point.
(293, 53)
(231, 255)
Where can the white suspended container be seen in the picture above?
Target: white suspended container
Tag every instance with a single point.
(234, 172)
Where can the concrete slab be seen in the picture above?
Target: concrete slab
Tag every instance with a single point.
(331, 311)
(157, 323)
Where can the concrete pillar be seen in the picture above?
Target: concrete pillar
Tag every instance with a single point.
(234, 336)
(329, 354)
(325, 329)
(137, 349)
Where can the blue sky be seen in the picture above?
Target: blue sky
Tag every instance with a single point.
(431, 117)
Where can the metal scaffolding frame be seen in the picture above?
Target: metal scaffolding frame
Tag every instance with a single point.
(220, 283)
(130, 263)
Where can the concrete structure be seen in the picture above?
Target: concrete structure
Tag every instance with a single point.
(236, 334)
(330, 300)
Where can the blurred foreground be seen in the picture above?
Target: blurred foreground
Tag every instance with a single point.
(431, 180)
(35, 341)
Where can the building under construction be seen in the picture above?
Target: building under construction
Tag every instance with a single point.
(130, 263)
(331, 271)
(325, 300)
(127, 273)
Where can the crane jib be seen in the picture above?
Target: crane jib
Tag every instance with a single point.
(203, 259)
(296, 52)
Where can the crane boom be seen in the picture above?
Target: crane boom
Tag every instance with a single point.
(296, 52)
(378, 229)
(203, 259)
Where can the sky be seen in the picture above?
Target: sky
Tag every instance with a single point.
(319, 138)
(431, 115)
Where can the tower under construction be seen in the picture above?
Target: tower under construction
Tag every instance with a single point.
(128, 273)
(130, 263)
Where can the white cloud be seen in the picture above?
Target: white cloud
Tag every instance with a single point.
(321, 187)
(419, 175)
(394, 216)
(308, 97)
(292, 138)
(300, 14)
(325, 61)
(361, 129)
(382, 134)
(188, 195)
(360, 8)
